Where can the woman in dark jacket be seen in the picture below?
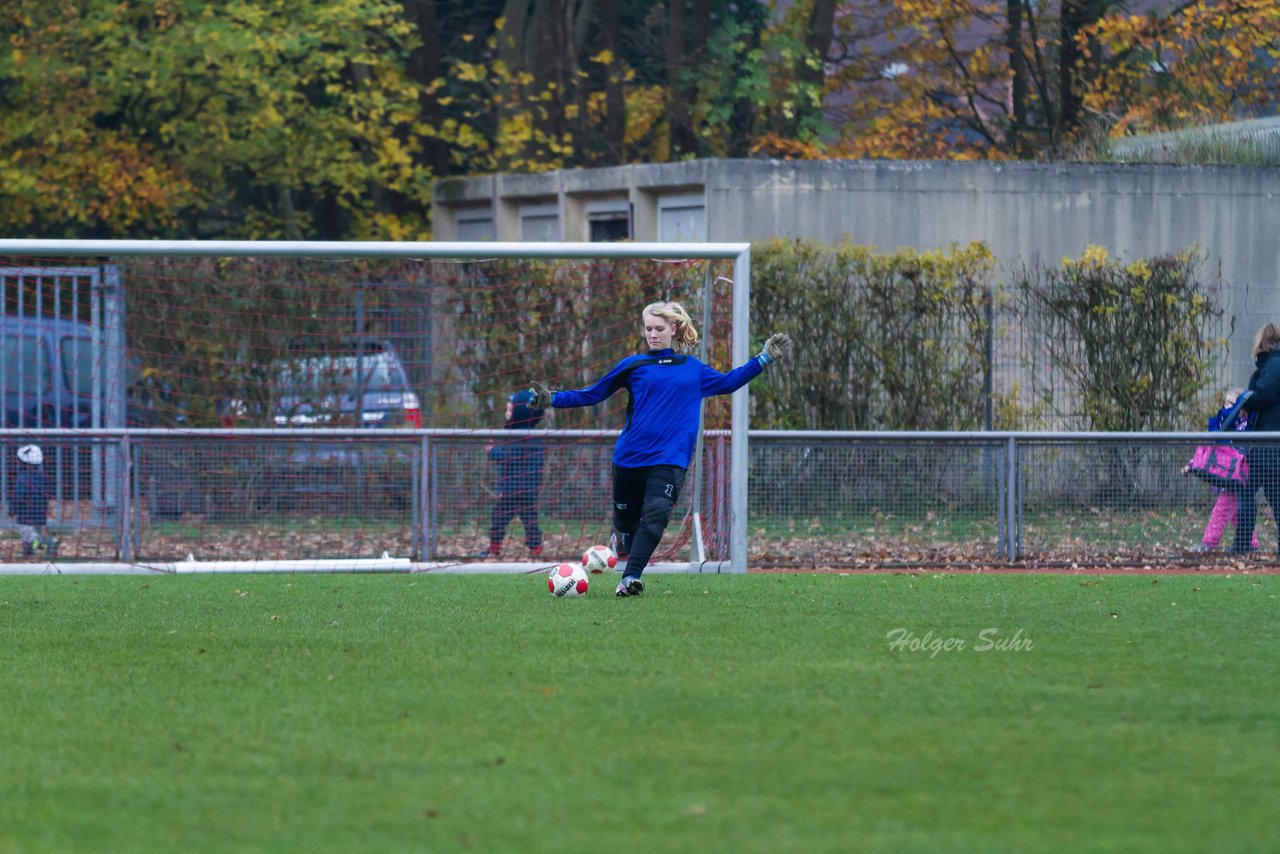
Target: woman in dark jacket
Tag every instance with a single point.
(1263, 405)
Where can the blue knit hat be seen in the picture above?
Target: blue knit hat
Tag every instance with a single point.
(523, 416)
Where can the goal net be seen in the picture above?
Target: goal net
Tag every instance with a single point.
(235, 403)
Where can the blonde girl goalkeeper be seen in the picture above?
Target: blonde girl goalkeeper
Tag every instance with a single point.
(652, 455)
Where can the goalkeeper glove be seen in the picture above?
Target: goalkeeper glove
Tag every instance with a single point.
(777, 347)
(542, 396)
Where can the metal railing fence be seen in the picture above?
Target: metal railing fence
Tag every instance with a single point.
(814, 499)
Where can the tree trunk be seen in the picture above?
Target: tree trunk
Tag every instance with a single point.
(817, 41)
(1018, 79)
(425, 65)
(1076, 15)
(615, 102)
(679, 132)
(822, 29)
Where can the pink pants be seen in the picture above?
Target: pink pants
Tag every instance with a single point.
(1224, 514)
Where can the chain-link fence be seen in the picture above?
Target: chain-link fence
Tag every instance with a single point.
(815, 499)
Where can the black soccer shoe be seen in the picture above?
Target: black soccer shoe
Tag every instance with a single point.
(630, 586)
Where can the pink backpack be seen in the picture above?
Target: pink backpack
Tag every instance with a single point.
(1220, 465)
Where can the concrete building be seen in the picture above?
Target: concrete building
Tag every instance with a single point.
(1028, 213)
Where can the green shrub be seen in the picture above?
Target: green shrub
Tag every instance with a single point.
(1132, 340)
(885, 341)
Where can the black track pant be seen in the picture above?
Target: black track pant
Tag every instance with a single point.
(1264, 474)
(523, 504)
(642, 502)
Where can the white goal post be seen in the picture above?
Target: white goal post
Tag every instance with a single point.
(738, 254)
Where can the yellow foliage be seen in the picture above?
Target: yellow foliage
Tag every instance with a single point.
(774, 145)
(1139, 270)
(1211, 56)
(225, 90)
(645, 106)
(469, 72)
(1094, 256)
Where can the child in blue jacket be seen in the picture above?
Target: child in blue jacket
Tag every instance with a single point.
(29, 495)
(519, 476)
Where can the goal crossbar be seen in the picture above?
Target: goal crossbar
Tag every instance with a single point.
(368, 249)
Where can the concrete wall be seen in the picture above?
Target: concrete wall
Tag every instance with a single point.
(1029, 213)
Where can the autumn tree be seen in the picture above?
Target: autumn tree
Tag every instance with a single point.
(63, 171)
(541, 84)
(332, 118)
(960, 78)
(447, 30)
(1197, 63)
(233, 119)
(759, 88)
(588, 83)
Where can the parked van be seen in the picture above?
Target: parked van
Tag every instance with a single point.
(48, 379)
(47, 373)
(55, 372)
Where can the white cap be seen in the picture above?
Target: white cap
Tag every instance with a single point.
(31, 454)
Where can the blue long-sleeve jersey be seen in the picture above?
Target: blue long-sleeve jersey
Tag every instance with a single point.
(662, 416)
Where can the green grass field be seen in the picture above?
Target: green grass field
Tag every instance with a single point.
(716, 713)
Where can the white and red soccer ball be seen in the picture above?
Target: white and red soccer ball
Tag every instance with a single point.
(567, 580)
(599, 559)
